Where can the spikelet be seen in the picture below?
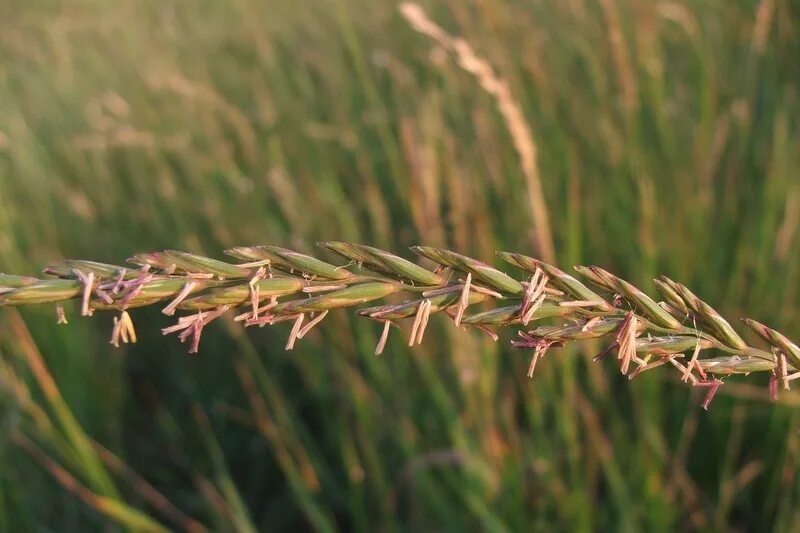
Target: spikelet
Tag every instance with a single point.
(276, 285)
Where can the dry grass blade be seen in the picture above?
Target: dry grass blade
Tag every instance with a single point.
(508, 107)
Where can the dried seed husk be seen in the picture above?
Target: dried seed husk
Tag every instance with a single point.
(354, 253)
(402, 268)
(290, 261)
(646, 305)
(509, 315)
(671, 345)
(578, 332)
(671, 296)
(591, 275)
(248, 253)
(240, 294)
(723, 331)
(155, 260)
(44, 291)
(205, 265)
(66, 269)
(558, 277)
(409, 308)
(777, 339)
(673, 286)
(346, 250)
(383, 262)
(480, 270)
(735, 365)
(353, 295)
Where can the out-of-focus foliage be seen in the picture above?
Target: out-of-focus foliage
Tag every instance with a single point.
(668, 143)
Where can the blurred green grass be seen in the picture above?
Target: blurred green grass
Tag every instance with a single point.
(668, 143)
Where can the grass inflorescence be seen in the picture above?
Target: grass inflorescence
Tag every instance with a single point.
(271, 284)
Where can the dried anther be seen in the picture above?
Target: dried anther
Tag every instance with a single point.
(123, 330)
(464, 301)
(103, 295)
(784, 371)
(202, 275)
(534, 296)
(626, 341)
(120, 279)
(317, 319)
(135, 286)
(554, 292)
(253, 315)
(693, 364)
(61, 317)
(713, 386)
(492, 335)
(484, 290)
(254, 289)
(582, 303)
(773, 385)
(539, 345)
(420, 322)
(193, 326)
(424, 323)
(591, 323)
(529, 340)
(537, 354)
(268, 320)
(169, 310)
(298, 321)
(87, 280)
(684, 370)
(311, 289)
(792, 377)
(646, 365)
(384, 337)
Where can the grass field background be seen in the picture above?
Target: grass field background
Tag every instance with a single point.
(668, 141)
